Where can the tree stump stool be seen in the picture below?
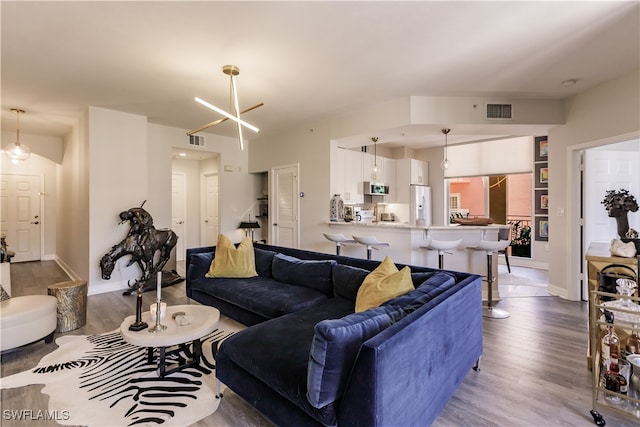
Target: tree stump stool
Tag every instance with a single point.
(72, 304)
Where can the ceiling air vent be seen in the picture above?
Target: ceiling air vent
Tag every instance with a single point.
(196, 140)
(499, 111)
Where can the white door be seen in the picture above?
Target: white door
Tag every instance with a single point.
(178, 211)
(286, 206)
(20, 215)
(210, 212)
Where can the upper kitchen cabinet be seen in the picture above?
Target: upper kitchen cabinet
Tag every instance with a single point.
(389, 178)
(353, 170)
(346, 175)
(337, 171)
(410, 172)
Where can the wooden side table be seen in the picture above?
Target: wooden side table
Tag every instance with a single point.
(72, 304)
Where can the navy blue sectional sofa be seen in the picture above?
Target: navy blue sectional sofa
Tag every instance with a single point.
(307, 359)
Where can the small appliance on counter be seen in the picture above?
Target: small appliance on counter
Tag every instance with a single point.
(351, 213)
(366, 216)
(387, 217)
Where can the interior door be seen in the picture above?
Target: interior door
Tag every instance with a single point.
(210, 212)
(20, 215)
(178, 212)
(286, 206)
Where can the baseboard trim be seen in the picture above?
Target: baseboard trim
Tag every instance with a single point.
(72, 274)
(521, 262)
(559, 292)
(110, 287)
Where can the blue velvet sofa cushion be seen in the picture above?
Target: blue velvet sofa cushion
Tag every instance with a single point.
(199, 264)
(420, 278)
(264, 259)
(309, 274)
(347, 280)
(268, 297)
(280, 353)
(335, 347)
(432, 287)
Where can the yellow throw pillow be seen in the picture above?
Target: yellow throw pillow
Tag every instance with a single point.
(230, 261)
(383, 284)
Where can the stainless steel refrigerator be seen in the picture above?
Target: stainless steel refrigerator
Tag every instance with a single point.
(420, 206)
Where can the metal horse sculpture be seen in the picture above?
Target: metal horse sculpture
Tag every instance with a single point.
(141, 243)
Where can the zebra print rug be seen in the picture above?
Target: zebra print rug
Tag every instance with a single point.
(100, 380)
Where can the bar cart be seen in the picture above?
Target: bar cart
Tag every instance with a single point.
(622, 312)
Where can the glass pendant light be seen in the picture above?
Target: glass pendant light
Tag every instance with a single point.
(374, 170)
(16, 152)
(445, 164)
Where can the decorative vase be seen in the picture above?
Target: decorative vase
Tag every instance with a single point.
(336, 208)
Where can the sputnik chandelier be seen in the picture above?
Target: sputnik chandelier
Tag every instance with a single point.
(232, 71)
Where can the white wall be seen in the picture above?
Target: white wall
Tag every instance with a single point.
(604, 114)
(118, 180)
(72, 238)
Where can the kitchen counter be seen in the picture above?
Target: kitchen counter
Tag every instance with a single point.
(406, 243)
(420, 227)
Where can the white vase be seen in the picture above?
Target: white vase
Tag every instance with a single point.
(336, 208)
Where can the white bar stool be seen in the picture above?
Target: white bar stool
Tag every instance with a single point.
(371, 242)
(441, 246)
(339, 239)
(490, 247)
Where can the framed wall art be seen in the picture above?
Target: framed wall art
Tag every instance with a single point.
(542, 228)
(542, 202)
(541, 175)
(541, 149)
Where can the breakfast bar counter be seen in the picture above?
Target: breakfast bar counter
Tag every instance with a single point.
(406, 241)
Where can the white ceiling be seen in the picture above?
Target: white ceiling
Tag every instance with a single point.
(304, 60)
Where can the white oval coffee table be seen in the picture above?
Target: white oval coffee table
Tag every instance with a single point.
(203, 320)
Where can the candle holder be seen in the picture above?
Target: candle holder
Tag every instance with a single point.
(158, 327)
(138, 325)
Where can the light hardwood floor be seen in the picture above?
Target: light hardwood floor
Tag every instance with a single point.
(533, 370)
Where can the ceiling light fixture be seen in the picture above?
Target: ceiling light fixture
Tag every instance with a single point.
(17, 152)
(445, 163)
(374, 171)
(232, 71)
(568, 82)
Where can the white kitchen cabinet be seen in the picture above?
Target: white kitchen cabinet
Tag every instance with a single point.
(408, 172)
(368, 162)
(389, 178)
(353, 169)
(419, 172)
(337, 171)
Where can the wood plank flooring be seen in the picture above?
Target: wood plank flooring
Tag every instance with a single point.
(533, 370)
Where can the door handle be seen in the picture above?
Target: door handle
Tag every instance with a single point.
(206, 221)
(181, 222)
(275, 225)
(35, 222)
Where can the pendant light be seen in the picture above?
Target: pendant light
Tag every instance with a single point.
(374, 171)
(232, 71)
(17, 152)
(445, 163)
